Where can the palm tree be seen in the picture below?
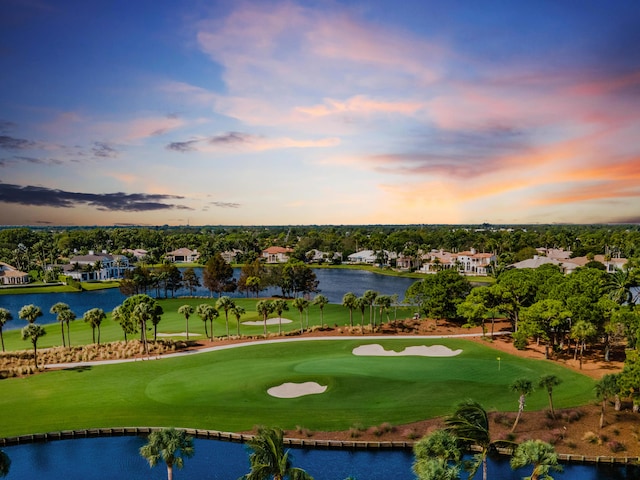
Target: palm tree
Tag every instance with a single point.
(5, 463)
(434, 455)
(142, 313)
(524, 387)
(94, 317)
(5, 316)
(30, 313)
(269, 459)
(300, 304)
(470, 424)
(280, 305)
(370, 297)
(59, 309)
(169, 445)
(321, 301)
(361, 304)
(349, 300)
(225, 303)
(581, 331)
(619, 286)
(540, 454)
(208, 314)
(265, 308)
(67, 317)
(384, 302)
(187, 311)
(548, 382)
(33, 332)
(237, 312)
(606, 388)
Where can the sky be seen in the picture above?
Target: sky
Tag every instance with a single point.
(311, 112)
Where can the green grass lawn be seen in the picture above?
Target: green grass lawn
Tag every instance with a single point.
(227, 390)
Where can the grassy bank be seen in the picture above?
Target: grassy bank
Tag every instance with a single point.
(227, 390)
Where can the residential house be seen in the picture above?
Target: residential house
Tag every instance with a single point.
(371, 257)
(96, 266)
(318, 256)
(569, 265)
(183, 255)
(277, 254)
(467, 263)
(138, 253)
(229, 256)
(10, 275)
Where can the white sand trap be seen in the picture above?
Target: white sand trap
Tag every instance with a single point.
(181, 334)
(420, 350)
(270, 321)
(294, 390)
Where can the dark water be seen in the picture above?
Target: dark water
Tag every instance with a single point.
(117, 457)
(333, 284)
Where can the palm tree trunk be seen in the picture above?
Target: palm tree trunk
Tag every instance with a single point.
(484, 466)
(98, 334)
(520, 409)
(604, 402)
(62, 328)
(187, 329)
(69, 336)
(169, 472)
(2, 339)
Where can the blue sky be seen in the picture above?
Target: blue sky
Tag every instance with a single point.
(319, 112)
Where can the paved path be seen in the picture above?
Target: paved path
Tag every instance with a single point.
(263, 342)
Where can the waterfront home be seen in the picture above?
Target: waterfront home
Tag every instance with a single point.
(468, 262)
(95, 266)
(277, 254)
(183, 255)
(10, 275)
(372, 257)
(317, 256)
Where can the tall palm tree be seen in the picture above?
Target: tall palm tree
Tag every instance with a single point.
(33, 332)
(280, 305)
(187, 311)
(437, 456)
(237, 312)
(523, 387)
(265, 308)
(384, 302)
(30, 313)
(470, 424)
(370, 297)
(548, 382)
(270, 460)
(67, 316)
(300, 304)
(225, 303)
(142, 313)
(94, 317)
(321, 301)
(5, 316)
(361, 304)
(169, 445)
(619, 286)
(5, 463)
(207, 313)
(349, 301)
(58, 309)
(540, 454)
(606, 388)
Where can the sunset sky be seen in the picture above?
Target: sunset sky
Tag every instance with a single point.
(153, 112)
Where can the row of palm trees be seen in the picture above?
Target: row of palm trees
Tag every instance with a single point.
(369, 299)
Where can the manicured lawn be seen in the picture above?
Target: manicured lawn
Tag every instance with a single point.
(227, 390)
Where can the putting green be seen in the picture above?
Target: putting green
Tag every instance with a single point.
(227, 389)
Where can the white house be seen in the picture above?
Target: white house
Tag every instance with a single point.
(277, 254)
(468, 263)
(183, 255)
(315, 255)
(370, 256)
(10, 275)
(101, 266)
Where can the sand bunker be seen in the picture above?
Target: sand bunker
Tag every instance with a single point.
(270, 321)
(294, 390)
(181, 334)
(420, 350)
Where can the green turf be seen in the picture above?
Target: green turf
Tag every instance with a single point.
(226, 390)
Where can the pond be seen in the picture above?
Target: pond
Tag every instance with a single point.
(117, 457)
(334, 283)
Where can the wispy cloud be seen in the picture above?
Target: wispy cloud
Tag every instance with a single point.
(42, 196)
(104, 150)
(11, 143)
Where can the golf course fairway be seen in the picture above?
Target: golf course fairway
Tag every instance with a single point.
(227, 389)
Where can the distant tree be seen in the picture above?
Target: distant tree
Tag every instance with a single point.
(270, 460)
(540, 454)
(349, 301)
(362, 304)
(190, 280)
(217, 275)
(543, 320)
(628, 381)
(94, 317)
(437, 296)
(5, 316)
(523, 387)
(300, 304)
(384, 304)
(33, 332)
(30, 313)
(265, 308)
(581, 331)
(548, 382)
(64, 315)
(169, 445)
(369, 297)
(186, 310)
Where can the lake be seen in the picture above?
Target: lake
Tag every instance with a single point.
(117, 457)
(334, 283)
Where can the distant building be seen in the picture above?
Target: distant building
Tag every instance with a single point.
(468, 263)
(10, 275)
(371, 257)
(318, 256)
(96, 266)
(183, 255)
(277, 254)
(569, 265)
(138, 253)
(229, 256)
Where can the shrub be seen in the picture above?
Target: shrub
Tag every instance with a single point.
(616, 446)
